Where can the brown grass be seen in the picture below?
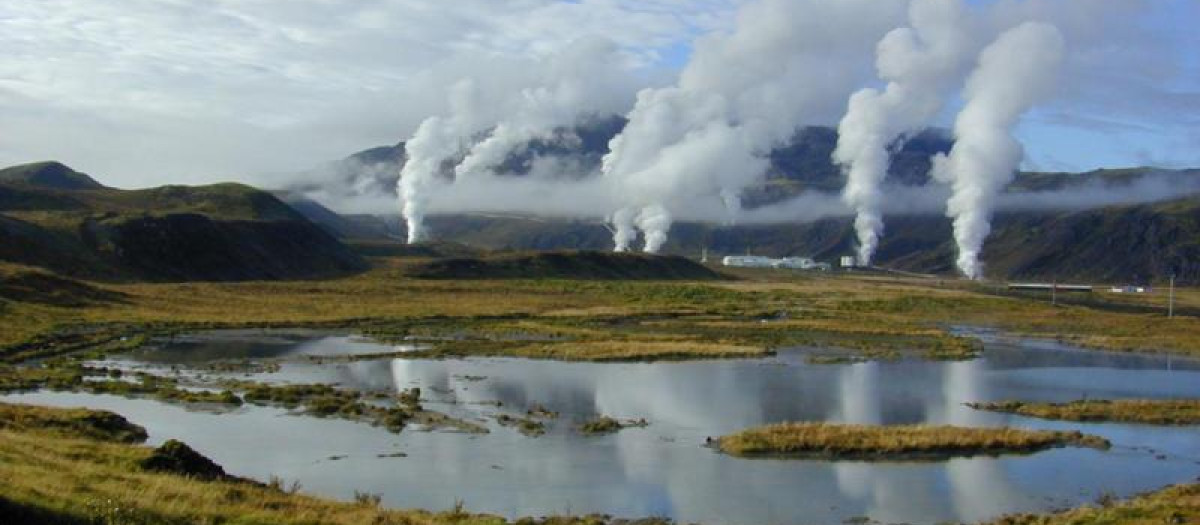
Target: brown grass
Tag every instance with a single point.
(1173, 505)
(865, 315)
(826, 440)
(1148, 411)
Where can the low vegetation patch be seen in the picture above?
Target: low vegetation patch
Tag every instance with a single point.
(62, 375)
(607, 425)
(1148, 411)
(525, 425)
(908, 442)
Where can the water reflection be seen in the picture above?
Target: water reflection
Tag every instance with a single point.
(663, 470)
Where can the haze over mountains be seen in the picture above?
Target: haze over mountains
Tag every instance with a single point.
(1127, 225)
(1134, 224)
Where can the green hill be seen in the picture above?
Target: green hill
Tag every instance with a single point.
(52, 217)
(48, 175)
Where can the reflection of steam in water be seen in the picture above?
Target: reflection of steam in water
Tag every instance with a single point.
(858, 385)
(963, 382)
(659, 393)
(979, 487)
(891, 493)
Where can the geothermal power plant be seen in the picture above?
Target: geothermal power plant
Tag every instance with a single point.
(693, 147)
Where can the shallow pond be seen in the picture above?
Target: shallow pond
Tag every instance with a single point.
(662, 470)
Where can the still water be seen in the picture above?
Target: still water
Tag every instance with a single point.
(662, 470)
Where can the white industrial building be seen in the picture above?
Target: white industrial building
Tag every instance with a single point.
(758, 261)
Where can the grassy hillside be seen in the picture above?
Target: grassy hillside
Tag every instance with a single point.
(53, 217)
(1114, 244)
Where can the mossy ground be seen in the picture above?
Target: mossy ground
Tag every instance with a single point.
(864, 316)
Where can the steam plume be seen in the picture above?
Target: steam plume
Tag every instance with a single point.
(920, 63)
(436, 140)
(784, 63)
(583, 80)
(1014, 73)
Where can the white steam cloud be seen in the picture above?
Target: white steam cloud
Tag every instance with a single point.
(583, 80)
(1014, 73)
(578, 83)
(436, 141)
(688, 151)
(786, 62)
(921, 63)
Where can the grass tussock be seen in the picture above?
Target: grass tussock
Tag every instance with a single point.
(1147, 411)
(606, 425)
(1173, 505)
(825, 440)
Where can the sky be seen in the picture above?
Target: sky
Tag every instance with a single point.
(149, 92)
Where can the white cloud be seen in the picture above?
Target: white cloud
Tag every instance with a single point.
(145, 91)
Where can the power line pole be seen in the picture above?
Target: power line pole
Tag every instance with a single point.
(1054, 293)
(1171, 298)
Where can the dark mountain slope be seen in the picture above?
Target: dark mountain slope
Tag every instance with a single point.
(1119, 243)
(222, 232)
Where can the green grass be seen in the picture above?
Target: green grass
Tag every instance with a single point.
(1147, 411)
(906, 442)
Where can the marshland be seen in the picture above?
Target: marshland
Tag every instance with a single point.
(514, 398)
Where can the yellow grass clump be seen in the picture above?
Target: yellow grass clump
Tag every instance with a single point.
(828, 440)
(1148, 411)
(1172, 505)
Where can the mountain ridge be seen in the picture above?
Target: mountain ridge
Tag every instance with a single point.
(217, 232)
